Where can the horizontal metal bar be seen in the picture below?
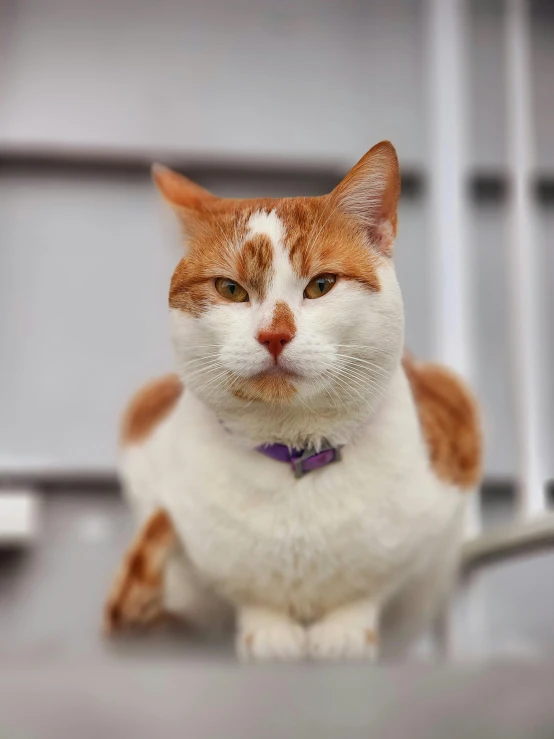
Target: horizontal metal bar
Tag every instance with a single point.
(483, 185)
(509, 541)
(196, 166)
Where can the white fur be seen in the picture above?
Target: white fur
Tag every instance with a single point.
(350, 631)
(309, 565)
(284, 284)
(267, 224)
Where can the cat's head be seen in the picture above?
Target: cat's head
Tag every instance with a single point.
(289, 302)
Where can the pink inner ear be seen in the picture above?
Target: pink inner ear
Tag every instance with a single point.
(382, 235)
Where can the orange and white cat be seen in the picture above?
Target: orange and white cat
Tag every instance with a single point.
(288, 328)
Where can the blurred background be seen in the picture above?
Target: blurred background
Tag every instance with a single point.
(276, 97)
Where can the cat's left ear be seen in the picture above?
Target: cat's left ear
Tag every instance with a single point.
(370, 192)
(189, 200)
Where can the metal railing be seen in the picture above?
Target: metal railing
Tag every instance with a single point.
(533, 526)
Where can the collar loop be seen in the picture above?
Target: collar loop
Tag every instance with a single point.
(302, 461)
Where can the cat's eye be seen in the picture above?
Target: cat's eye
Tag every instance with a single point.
(231, 290)
(319, 286)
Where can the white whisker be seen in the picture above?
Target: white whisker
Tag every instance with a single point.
(208, 368)
(347, 386)
(366, 362)
(365, 383)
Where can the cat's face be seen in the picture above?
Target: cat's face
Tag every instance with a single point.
(290, 302)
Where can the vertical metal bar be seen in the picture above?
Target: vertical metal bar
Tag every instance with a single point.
(522, 260)
(448, 208)
(448, 214)
(447, 120)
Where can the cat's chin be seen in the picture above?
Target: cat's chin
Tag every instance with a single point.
(269, 387)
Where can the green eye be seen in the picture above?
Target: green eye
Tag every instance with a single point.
(319, 286)
(231, 290)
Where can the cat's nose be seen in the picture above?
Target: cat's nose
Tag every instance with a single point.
(275, 341)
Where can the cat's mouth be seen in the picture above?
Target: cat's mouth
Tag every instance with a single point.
(274, 385)
(278, 370)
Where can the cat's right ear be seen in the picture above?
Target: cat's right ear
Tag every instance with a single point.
(187, 199)
(369, 193)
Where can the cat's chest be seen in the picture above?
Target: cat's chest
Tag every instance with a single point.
(248, 524)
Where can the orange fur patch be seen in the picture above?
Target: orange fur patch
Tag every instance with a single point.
(282, 319)
(320, 239)
(254, 264)
(449, 420)
(179, 191)
(216, 236)
(191, 290)
(135, 598)
(265, 388)
(148, 407)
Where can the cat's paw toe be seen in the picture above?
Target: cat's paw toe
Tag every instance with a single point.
(283, 641)
(335, 641)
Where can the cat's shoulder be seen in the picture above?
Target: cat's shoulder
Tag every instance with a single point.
(148, 407)
(450, 421)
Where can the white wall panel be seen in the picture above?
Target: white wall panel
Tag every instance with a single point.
(83, 296)
(309, 79)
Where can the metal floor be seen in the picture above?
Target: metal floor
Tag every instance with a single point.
(51, 595)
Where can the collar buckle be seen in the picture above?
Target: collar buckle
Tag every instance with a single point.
(311, 459)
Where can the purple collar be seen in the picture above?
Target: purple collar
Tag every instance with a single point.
(302, 461)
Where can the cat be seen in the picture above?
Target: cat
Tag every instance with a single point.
(300, 475)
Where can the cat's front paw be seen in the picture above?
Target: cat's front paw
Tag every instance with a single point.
(279, 640)
(332, 640)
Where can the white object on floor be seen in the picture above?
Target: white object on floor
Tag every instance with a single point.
(19, 516)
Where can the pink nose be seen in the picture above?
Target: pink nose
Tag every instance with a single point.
(275, 341)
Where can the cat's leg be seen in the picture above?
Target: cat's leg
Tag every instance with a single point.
(349, 632)
(410, 613)
(189, 597)
(157, 581)
(266, 634)
(136, 596)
